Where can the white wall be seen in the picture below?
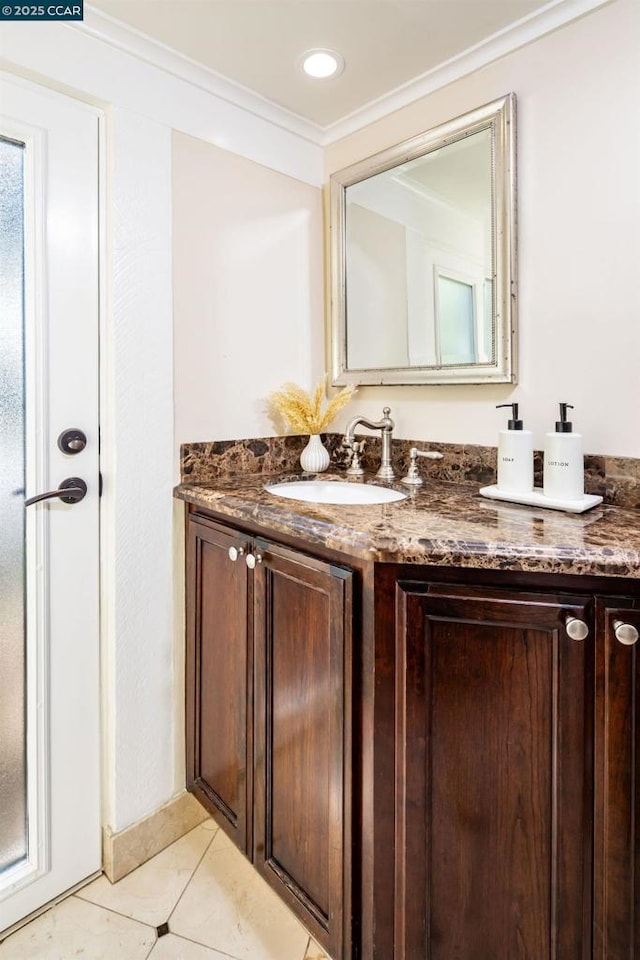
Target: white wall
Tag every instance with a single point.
(247, 290)
(578, 92)
(137, 461)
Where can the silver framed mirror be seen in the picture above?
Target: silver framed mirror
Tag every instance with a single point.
(423, 257)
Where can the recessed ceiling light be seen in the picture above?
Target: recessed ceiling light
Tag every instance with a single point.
(322, 64)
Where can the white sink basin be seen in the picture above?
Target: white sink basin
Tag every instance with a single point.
(334, 491)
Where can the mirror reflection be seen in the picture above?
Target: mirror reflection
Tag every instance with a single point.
(419, 261)
(423, 254)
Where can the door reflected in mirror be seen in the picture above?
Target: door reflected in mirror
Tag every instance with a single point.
(423, 257)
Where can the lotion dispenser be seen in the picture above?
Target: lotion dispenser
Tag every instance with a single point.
(515, 455)
(563, 460)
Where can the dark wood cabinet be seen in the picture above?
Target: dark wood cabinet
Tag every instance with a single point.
(421, 761)
(493, 775)
(617, 779)
(303, 708)
(269, 715)
(219, 678)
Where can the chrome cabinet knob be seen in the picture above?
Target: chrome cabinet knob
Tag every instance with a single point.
(235, 552)
(253, 559)
(625, 633)
(576, 629)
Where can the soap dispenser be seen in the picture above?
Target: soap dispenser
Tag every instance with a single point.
(515, 455)
(563, 460)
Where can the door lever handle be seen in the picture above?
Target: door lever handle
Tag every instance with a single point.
(71, 490)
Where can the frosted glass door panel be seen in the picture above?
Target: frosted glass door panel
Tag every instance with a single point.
(13, 773)
(455, 318)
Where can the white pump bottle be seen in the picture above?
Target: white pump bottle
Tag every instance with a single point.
(515, 455)
(563, 460)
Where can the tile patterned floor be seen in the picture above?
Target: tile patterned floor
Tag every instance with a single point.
(197, 900)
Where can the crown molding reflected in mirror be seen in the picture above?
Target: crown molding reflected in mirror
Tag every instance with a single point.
(423, 257)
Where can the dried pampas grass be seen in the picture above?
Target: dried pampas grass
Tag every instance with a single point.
(302, 411)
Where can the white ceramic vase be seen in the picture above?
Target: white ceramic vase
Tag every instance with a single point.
(315, 456)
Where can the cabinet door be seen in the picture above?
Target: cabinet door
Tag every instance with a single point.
(302, 838)
(218, 680)
(493, 795)
(617, 834)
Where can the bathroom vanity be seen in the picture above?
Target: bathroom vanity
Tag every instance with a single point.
(420, 720)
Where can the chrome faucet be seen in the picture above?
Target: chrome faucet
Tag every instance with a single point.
(386, 430)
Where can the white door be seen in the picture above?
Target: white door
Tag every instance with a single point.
(49, 649)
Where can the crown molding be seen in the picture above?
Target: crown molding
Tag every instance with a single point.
(129, 40)
(551, 17)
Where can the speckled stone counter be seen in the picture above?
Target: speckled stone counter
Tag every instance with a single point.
(617, 479)
(442, 523)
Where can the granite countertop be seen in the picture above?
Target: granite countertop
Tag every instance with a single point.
(442, 523)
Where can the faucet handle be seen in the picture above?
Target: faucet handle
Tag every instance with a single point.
(413, 478)
(355, 469)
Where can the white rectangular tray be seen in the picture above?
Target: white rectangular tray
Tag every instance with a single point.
(537, 499)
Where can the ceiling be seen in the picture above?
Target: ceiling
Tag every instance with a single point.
(259, 43)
